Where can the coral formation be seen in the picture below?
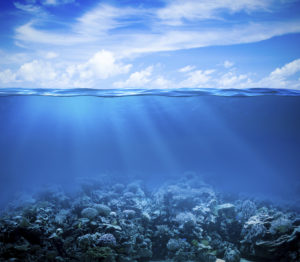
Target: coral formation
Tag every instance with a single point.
(185, 220)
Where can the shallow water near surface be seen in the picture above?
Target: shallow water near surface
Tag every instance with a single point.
(244, 144)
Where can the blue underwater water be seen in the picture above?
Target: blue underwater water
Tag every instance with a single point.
(243, 143)
(240, 140)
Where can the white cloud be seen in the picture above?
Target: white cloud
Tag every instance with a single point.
(233, 80)
(187, 68)
(94, 29)
(279, 78)
(172, 40)
(228, 64)
(145, 79)
(91, 27)
(114, 30)
(36, 71)
(161, 82)
(27, 33)
(30, 8)
(197, 78)
(137, 79)
(176, 11)
(101, 19)
(14, 58)
(7, 76)
(57, 2)
(216, 79)
(101, 66)
(51, 55)
(287, 70)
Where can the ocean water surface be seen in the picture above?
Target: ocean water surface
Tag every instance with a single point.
(243, 143)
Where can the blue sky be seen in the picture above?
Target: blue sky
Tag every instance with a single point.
(150, 44)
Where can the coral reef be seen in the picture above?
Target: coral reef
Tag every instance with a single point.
(185, 220)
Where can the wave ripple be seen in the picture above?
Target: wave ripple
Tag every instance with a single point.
(177, 92)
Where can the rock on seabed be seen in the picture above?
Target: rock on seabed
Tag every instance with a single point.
(184, 220)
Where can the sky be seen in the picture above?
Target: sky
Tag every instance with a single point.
(150, 44)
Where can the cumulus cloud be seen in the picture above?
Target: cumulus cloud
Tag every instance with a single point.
(287, 70)
(197, 78)
(7, 76)
(162, 83)
(233, 80)
(125, 32)
(137, 79)
(145, 79)
(280, 77)
(102, 65)
(36, 71)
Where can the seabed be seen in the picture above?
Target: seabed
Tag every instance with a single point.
(183, 220)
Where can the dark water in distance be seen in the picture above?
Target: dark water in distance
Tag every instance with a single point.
(244, 141)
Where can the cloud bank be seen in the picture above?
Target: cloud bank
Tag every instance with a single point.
(98, 46)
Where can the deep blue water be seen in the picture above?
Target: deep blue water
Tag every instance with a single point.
(242, 141)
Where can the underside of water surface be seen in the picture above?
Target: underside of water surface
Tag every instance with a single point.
(149, 175)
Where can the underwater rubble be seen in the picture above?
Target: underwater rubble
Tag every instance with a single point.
(184, 220)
